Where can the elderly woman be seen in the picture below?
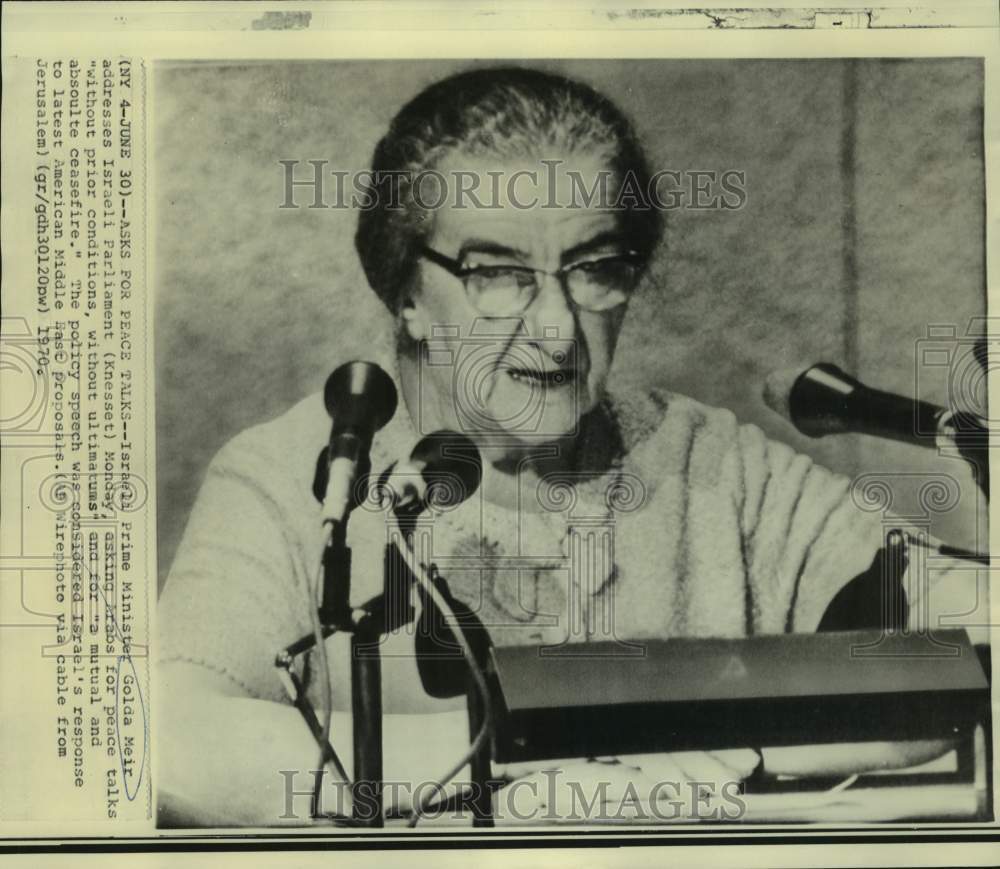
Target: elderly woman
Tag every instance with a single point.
(506, 320)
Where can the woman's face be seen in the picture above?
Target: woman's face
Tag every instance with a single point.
(527, 377)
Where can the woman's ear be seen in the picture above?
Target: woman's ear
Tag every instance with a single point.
(413, 320)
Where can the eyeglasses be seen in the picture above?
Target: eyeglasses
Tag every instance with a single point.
(598, 284)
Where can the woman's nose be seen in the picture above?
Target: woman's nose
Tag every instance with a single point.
(552, 317)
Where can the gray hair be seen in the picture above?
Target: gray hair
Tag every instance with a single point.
(502, 112)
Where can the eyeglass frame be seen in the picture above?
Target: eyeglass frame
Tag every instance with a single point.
(463, 273)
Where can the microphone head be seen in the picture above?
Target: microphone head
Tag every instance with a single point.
(817, 401)
(451, 467)
(360, 395)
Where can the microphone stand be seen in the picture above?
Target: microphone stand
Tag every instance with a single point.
(367, 624)
(383, 613)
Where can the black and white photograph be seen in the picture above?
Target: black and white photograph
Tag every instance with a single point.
(572, 444)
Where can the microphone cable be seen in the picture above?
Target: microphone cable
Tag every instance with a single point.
(326, 750)
(419, 571)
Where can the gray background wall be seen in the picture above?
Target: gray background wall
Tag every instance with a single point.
(864, 224)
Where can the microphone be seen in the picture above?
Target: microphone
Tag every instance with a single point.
(361, 399)
(824, 400)
(443, 470)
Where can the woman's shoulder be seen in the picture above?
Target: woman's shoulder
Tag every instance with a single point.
(665, 433)
(281, 449)
(289, 441)
(650, 417)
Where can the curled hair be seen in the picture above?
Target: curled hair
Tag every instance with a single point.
(507, 112)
